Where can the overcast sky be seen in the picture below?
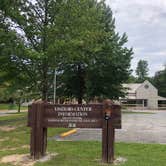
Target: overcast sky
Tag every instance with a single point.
(144, 21)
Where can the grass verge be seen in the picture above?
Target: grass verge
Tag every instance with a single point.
(11, 107)
(80, 153)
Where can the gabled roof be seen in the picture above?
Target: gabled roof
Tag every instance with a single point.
(161, 98)
(131, 88)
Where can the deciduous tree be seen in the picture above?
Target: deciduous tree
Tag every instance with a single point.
(99, 66)
(142, 70)
(78, 38)
(159, 81)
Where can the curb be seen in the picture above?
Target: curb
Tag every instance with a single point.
(68, 133)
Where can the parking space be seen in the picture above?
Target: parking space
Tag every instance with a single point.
(136, 127)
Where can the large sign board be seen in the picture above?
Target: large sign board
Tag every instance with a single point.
(77, 116)
(74, 116)
(43, 115)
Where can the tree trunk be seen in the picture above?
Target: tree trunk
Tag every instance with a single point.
(44, 83)
(19, 107)
(79, 100)
(44, 94)
(81, 78)
(44, 46)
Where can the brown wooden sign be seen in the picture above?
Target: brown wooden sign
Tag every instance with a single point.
(43, 115)
(74, 116)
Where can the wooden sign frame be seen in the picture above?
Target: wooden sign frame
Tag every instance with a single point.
(42, 115)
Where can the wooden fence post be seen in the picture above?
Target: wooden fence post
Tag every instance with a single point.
(38, 132)
(108, 134)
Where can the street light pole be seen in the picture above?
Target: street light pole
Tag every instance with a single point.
(55, 86)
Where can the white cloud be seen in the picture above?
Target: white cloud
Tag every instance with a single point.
(144, 21)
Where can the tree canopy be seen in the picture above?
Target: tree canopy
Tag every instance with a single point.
(159, 81)
(78, 38)
(142, 70)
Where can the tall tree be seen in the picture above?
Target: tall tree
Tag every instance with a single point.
(50, 32)
(99, 71)
(82, 36)
(159, 81)
(29, 61)
(142, 70)
(10, 45)
(111, 65)
(77, 38)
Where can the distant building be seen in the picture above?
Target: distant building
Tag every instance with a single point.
(143, 95)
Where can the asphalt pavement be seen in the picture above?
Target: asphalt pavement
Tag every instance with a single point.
(139, 128)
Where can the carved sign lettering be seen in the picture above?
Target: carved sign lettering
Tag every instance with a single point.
(81, 116)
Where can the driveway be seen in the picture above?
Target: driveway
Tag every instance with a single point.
(141, 128)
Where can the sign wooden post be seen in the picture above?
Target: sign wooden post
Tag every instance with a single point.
(38, 132)
(42, 115)
(108, 133)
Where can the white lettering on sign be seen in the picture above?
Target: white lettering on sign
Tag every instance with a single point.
(72, 114)
(73, 120)
(81, 108)
(72, 125)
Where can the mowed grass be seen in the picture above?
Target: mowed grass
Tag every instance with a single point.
(79, 153)
(11, 107)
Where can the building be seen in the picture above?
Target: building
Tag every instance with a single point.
(143, 95)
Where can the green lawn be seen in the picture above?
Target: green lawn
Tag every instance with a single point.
(80, 153)
(11, 107)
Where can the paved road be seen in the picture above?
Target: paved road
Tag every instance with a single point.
(142, 128)
(7, 112)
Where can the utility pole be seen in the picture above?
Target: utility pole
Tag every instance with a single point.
(55, 86)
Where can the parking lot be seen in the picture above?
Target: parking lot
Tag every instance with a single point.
(136, 127)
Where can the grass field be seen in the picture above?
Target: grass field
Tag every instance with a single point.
(11, 107)
(80, 153)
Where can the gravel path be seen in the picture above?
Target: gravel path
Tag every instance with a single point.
(141, 128)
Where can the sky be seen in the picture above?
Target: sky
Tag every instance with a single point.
(144, 22)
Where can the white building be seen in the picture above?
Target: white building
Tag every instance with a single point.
(143, 95)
